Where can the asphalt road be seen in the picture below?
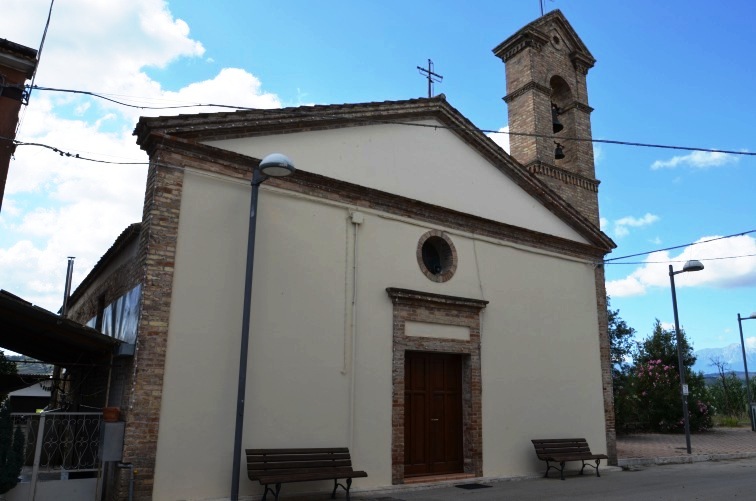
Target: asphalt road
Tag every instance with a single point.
(708, 480)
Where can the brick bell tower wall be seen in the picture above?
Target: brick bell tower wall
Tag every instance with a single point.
(546, 65)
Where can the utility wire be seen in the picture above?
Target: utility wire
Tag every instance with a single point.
(39, 52)
(71, 155)
(606, 261)
(412, 124)
(93, 94)
(681, 260)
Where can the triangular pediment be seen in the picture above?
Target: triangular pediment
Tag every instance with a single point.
(375, 135)
(540, 32)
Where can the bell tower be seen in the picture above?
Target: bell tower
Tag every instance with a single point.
(546, 67)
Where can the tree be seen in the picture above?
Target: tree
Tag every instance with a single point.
(621, 349)
(12, 446)
(728, 392)
(621, 341)
(6, 367)
(656, 384)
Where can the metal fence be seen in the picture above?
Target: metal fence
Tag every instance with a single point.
(58, 442)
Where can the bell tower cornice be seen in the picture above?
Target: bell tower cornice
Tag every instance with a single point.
(523, 39)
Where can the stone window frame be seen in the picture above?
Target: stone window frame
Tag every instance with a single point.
(445, 274)
(417, 306)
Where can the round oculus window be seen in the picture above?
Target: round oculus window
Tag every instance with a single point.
(437, 256)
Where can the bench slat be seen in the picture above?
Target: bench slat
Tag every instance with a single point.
(308, 477)
(296, 457)
(298, 465)
(298, 451)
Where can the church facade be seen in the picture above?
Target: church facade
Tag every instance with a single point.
(419, 295)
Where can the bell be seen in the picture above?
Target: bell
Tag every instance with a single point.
(558, 152)
(556, 125)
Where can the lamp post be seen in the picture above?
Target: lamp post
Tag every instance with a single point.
(273, 165)
(745, 367)
(691, 265)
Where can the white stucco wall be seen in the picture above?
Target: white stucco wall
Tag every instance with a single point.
(426, 164)
(541, 375)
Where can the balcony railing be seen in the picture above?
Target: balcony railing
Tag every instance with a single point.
(60, 442)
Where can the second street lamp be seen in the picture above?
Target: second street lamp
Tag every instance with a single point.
(691, 265)
(745, 368)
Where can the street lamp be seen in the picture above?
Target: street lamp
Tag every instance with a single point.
(273, 165)
(745, 366)
(691, 265)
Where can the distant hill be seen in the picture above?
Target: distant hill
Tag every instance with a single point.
(731, 355)
(26, 365)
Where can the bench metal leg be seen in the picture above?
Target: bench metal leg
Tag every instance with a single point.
(275, 493)
(346, 487)
(598, 461)
(549, 466)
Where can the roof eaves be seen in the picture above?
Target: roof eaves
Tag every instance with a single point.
(130, 233)
(251, 122)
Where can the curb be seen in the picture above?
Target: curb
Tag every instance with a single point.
(683, 459)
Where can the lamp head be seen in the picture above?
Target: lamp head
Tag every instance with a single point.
(693, 265)
(276, 165)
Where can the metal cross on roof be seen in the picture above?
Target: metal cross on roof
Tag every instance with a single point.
(431, 76)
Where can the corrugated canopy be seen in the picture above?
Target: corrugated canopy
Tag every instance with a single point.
(45, 336)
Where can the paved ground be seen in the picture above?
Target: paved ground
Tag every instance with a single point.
(722, 465)
(721, 443)
(713, 480)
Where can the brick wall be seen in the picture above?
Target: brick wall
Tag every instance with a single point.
(446, 310)
(157, 247)
(542, 67)
(606, 367)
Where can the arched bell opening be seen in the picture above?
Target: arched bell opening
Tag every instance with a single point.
(562, 124)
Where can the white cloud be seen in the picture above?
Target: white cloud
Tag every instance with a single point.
(697, 160)
(501, 138)
(621, 227)
(56, 206)
(719, 273)
(598, 153)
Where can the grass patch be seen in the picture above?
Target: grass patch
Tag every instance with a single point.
(729, 421)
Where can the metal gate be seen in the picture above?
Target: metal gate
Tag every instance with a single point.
(61, 456)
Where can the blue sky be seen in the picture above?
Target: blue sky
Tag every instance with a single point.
(674, 72)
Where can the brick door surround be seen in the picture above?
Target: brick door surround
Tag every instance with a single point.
(416, 306)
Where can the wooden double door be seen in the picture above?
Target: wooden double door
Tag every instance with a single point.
(432, 414)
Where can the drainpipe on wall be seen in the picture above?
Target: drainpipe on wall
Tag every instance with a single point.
(357, 219)
(64, 314)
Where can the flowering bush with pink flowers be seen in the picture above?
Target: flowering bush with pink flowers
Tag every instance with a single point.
(647, 393)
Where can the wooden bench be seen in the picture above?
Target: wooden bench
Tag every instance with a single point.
(561, 450)
(282, 466)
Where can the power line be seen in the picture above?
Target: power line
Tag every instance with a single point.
(128, 105)
(606, 261)
(682, 260)
(411, 124)
(70, 155)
